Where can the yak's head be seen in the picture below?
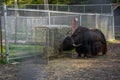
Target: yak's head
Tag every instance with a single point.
(68, 44)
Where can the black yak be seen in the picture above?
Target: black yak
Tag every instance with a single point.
(85, 41)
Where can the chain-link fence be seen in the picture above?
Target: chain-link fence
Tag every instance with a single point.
(86, 8)
(31, 18)
(36, 33)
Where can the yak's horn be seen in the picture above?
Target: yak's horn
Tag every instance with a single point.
(76, 45)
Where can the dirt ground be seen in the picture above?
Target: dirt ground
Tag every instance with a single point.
(98, 68)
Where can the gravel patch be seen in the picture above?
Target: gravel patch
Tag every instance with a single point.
(98, 68)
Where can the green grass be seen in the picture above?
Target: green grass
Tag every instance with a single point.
(3, 57)
(16, 50)
(24, 47)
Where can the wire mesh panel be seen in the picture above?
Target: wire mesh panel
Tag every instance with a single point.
(41, 39)
(104, 22)
(23, 40)
(88, 21)
(64, 19)
(55, 35)
(28, 44)
(106, 25)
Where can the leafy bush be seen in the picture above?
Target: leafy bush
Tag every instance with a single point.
(2, 56)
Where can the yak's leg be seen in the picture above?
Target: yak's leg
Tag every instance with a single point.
(79, 55)
(104, 51)
(87, 51)
(79, 51)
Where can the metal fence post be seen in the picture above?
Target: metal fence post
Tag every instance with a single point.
(96, 21)
(6, 34)
(16, 14)
(49, 22)
(113, 25)
(1, 50)
(80, 20)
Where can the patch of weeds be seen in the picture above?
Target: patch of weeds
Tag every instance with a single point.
(2, 55)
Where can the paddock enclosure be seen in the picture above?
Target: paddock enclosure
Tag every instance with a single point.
(37, 30)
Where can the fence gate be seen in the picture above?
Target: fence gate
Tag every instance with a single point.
(21, 40)
(29, 44)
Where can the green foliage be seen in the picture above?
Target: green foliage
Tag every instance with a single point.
(78, 1)
(59, 1)
(116, 1)
(3, 60)
(1, 2)
(2, 56)
(37, 1)
(11, 2)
